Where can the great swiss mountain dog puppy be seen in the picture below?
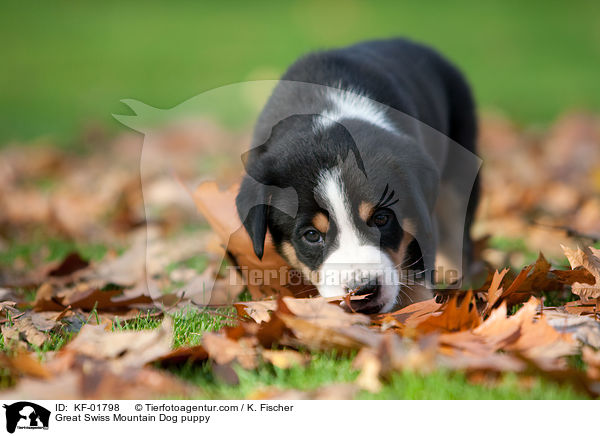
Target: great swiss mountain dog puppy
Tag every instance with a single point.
(351, 174)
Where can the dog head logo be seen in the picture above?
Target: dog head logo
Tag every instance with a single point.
(26, 415)
(421, 177)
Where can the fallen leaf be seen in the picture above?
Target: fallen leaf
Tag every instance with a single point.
(285, 359)
(86, 296)
(583, 308)
(582, 328)
(71, 263)
(453, 316)
(495, 291)
(225, 350)
(24, 364)
(592, 359)
(413, 314)
(122, 349)
(370, 368)
(23, 332)
(218, 207)
(181, 355)
(588, 258)
(95, 381)
(259, 311)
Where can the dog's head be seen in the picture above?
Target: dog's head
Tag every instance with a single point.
(362, 200)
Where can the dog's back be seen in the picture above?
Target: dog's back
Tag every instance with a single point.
(414, 80)
(399, 73)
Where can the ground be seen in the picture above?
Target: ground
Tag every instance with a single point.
(533, 67)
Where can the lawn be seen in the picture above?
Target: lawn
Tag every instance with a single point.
(67, 65)
(324, 368)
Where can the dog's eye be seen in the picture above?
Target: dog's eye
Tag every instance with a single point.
(380, 219)
(312, 236)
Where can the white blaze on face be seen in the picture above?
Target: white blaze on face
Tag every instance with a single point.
(353, 260)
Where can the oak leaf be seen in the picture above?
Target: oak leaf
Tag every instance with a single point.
(588, 258)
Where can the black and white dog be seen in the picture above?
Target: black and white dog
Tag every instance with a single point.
(352, 170)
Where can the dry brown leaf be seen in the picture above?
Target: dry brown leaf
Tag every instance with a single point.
(122, 349)
(181, 355)
(495, 291)
(321, 312)
(259, 311)
(95, 381)
(413, 314)
(394, 354)
(8, 311)
(592, 358)
(65, 386)
(583, 328)
(524, 334)
(218, 207)
(370, 369)
(45, 299)
(86, 296)
(583, 308)
(285, 359)
(536, 338)
(319, 325)
(571, 276)
(24, 364)
(317, 337)
(588, 258)
(531, 281)
(453, 316)
(23, 332)
(71, 263)
(224, 350)
(99, 364)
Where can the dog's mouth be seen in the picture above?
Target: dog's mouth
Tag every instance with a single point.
(369, 303)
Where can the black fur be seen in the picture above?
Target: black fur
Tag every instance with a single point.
(289, 153)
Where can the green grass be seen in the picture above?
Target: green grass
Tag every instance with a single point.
(443, 385)
(188, 324)
(325, 368)
(329, 368)
(39, 249)
(68, 64)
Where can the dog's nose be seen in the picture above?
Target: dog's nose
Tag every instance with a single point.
(370, 302)
(370, 289)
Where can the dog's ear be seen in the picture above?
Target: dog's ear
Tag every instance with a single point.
(253, 208)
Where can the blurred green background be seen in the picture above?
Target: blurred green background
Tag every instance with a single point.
(67, 64)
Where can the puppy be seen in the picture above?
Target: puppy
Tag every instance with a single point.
(355, 172)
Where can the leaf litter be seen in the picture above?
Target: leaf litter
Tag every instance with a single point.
(504, 326)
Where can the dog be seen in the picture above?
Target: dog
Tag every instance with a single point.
(344, 175)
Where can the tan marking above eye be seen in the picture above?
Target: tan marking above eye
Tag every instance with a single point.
(365, 210)
(321, 222)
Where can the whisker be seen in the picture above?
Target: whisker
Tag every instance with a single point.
(416, 261)
(405, 293)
